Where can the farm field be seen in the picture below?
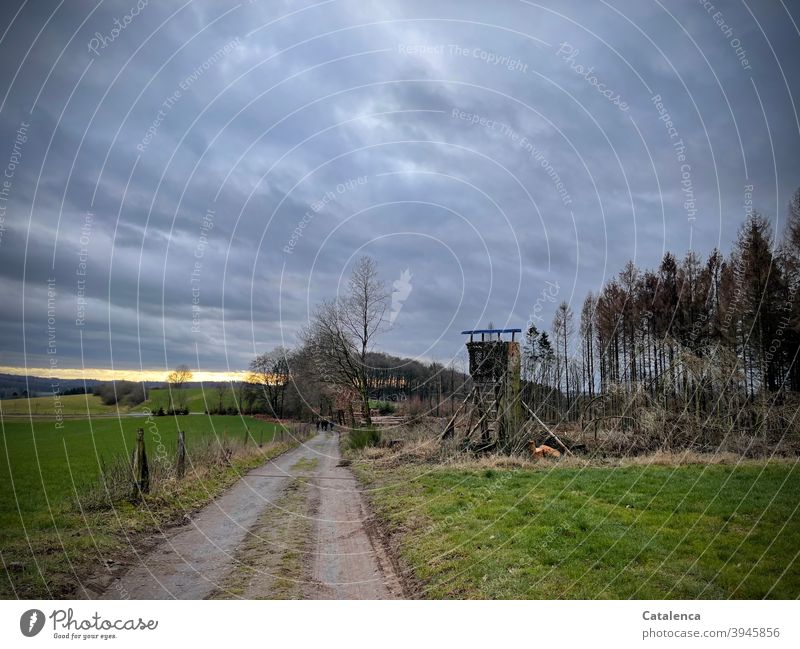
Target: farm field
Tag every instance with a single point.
(639, 531)
(197, 400)
(70, 405)
(40, 462)
(42, 468)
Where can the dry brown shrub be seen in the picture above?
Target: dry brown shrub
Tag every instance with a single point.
(412, 407)
(413, 452)
(658, 436)
(681, 458)
(373, 452)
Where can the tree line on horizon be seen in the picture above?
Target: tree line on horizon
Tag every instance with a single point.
(704, 345)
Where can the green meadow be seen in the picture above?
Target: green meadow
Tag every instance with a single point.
(698, 531)
(73, 404)
(40, 462)
(196, 399)
(47, 541)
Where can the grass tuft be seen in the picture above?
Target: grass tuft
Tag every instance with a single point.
(363, 437)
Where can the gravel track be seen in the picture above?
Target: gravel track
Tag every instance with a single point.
(342, 560)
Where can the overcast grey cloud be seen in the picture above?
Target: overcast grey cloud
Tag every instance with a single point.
(194, 176)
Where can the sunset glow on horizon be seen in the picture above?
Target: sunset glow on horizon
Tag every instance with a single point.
(90, 373)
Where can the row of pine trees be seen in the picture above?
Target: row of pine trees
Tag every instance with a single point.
(700, 335)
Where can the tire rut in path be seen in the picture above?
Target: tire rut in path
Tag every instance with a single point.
(349, 562)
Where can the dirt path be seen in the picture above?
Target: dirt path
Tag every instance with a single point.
(293, 528)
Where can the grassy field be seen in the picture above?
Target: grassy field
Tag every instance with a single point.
(197, 399)
(40, 462)
(72, 404)
(43, 468)
(601, 532)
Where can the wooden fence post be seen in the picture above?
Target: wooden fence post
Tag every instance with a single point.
(181, 468)
(141, 472)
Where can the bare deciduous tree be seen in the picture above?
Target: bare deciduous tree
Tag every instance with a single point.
(222, 389)
(563, 328)
(342, 331)
(177, 379)
(271, 372)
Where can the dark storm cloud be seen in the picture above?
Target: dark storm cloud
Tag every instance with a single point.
(233, 160)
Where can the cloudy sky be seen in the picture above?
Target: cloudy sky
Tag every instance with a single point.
(182, 182)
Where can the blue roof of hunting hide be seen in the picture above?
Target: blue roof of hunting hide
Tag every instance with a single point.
(491, 331)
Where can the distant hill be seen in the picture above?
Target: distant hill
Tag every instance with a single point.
(12, 385)
(15, 385)
(196, 399)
